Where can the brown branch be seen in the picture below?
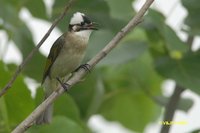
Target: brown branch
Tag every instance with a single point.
(171, 108)
(172, 105)
(78, 75)
(28, 58)
(190, 41)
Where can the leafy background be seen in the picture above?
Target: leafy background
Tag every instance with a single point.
(121, 86)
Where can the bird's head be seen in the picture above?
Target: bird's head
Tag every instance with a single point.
(81, 25)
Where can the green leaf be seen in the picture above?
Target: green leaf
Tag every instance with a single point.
(96, 43)
(88, 95)
(193, 19)
(126, 85)
(135, 75)
(4, 121)
(163, 40)
(133, 110)
(152, 24)
(18, 98)
(24, 41)
(18, 32)
(37, 8)
(66, 106)
(63, 106)
(185, 104)
(130, 47)
(173, 42)
(9, 15)
(184, 71)
(124, 53)
(121, 9)
(58, 125)
(195, 131)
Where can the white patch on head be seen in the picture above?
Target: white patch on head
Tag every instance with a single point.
(77, 18)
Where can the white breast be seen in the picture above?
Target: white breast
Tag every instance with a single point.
(84, 34)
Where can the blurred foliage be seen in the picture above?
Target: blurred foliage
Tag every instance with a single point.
(193, 18)
(122, 85)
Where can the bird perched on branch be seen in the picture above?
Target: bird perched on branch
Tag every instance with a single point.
(65, 56)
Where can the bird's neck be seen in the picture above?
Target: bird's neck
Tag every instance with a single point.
(85, 34)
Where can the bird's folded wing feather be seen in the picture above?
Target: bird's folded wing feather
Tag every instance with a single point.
(54, 52)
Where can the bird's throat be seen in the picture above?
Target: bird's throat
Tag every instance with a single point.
(85, 34)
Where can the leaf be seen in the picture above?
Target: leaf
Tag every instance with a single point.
(96, 43)
(133, 110)
(163, 40)
(185, 104)
(63, 106)
(18, 32)
(129, 48)
(23, 40)
(121, 9)
(125, 98)
(124, 53)
(192, 20)
(195, 131)
(9, 15)
(184, 71)
(17, 5)
(133, 75)
(88, 95)
(173, 42)
(18, 98)
(66, 106)
(40, 12)
(59, 125)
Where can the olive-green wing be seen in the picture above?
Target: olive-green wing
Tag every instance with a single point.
(54, 52)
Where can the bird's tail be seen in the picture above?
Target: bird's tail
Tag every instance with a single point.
(46, 116)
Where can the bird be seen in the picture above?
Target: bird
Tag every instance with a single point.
(65, 56)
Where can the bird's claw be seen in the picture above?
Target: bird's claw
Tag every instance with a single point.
(64, 85)
(86, 67)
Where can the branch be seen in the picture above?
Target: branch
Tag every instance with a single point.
(23, 126)
(28, 58)
(190, 41)
(171, 106)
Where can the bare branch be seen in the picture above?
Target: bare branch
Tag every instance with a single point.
(28, 58)
(78, 75)
(172, 105)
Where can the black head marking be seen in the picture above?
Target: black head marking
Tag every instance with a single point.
(86, 19)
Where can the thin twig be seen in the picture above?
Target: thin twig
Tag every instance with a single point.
(28, 58)
(78, 75)
(190, 41)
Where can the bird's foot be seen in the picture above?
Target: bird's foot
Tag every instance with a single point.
(64, 85)
(86, 67)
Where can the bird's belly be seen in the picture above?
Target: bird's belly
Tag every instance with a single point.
(65, 64)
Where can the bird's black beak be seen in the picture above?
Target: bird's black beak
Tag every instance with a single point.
(92, 26)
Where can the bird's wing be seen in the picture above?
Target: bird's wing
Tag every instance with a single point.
(54, 52)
